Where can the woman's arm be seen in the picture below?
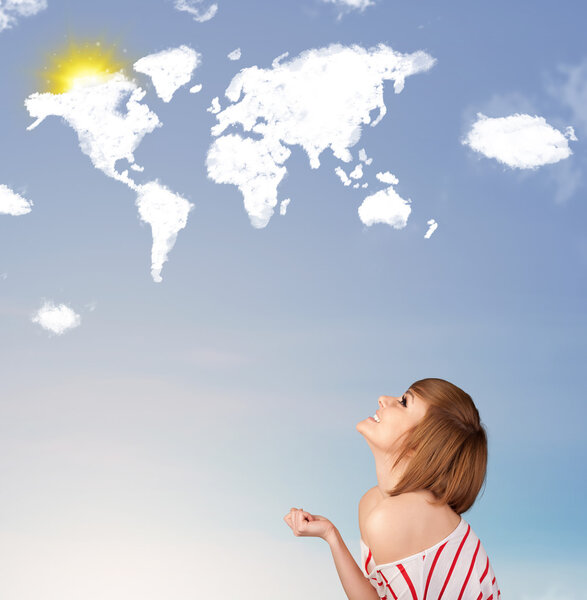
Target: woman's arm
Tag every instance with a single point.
(353, 581)
(355, 584)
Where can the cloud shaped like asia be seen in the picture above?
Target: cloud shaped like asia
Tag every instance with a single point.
(12, 203)
(317, 100)
(169, 69)
(57, 319)
(519, 141)
(11, 10)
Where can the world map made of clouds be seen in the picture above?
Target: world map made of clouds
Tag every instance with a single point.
(318, 100)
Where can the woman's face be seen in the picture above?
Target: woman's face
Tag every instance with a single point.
(397, 414)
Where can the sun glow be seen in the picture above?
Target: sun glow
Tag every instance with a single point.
(81, 64)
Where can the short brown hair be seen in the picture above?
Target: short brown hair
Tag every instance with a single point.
(449, 447)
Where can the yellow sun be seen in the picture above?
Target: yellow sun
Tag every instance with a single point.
(81, 63)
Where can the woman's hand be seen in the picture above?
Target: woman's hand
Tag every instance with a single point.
(303, 523)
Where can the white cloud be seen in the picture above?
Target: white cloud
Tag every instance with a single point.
(214, 107)
(519, 141)
(11, 10)
(254, 166)
(431, 229)
(318, 100)
(387, 177)
(169, 69)
(343, 176)
(107, 135)
(278, 59)
(57, 319)
(193, 7)
(197, 88)
(363, 157)
(283, 206)
(347, 5)
(12, 203)
(93, 110)
(357, 172)
(167, 213)
(385, 206)
(235, 54)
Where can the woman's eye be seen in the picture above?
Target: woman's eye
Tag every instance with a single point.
(403, 401)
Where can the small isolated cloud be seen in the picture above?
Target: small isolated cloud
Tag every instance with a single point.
(432, 225)
(343, 176)
(94, 110)
(197, 88)
(387, 177)
(235, 54)
(363, 157)
(385, 206)
(12, 10)
(348, 5)
(56, 319)
(357, 172)
(167, 213)
(12, 203)
(283, 206)
(169, 69)
(214, 107)
(195, 8)
(519, 141)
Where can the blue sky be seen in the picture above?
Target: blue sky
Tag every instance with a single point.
(154, 449)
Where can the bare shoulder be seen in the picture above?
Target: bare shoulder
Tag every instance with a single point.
(403, 525)
(370, 499)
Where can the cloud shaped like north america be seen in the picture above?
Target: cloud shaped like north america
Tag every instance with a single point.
(107, 134)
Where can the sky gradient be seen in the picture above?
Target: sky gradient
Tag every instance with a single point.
(152, 450)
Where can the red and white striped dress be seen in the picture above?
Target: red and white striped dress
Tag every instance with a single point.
(457, 568)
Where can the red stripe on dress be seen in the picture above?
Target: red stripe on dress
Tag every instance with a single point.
(408, 581)
(454, 562)
(387, 583)
(480, 596)
(493, 581)
(432, 568)
(490, 597)
(367, 561)
(485, 572)
(470, 569)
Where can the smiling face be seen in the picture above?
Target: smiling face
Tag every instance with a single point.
(397, 415)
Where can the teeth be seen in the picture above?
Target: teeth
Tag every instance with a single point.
(377, 418)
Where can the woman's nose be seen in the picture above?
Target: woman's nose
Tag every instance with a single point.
(383, 400)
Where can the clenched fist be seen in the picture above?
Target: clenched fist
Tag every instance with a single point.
(303, 523)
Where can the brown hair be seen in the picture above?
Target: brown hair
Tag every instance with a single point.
(449, 447)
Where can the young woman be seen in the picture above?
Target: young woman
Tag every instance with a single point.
(430, 452)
